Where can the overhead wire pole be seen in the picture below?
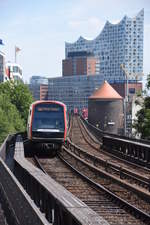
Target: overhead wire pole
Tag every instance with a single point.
(126, 99)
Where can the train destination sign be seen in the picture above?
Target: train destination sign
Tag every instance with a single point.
(48, 109)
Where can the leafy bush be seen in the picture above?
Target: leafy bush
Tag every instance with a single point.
(15, 99)
(142, 123)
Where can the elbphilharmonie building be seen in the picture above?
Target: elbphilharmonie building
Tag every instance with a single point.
(117, 44)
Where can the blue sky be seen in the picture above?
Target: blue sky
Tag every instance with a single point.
(41, 28)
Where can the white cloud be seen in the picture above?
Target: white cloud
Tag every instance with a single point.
(90, 22)
(87, 27)
(96, 22)
(42, 32)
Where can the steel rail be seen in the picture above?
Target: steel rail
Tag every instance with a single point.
(143, 181)
(131, 149)
(121, 202)
(38, 164)
(144, 195)
(55, 203)
(123, 172)
(87, 139)
(88, 132)
(103, 133)
(108, 153)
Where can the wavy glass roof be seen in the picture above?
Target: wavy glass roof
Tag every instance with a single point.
(82, 39)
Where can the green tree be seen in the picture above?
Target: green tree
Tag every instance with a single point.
(142, 123)
(10, 119)
(15, 99)
(19, 95)
(4, 126)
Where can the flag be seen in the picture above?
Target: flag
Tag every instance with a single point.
(17, 49)
(1, 42)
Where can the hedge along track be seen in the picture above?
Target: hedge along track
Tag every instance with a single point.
(101, 200)
(87, 147)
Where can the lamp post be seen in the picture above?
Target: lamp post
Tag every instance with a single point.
(126, 101)
(126, 98)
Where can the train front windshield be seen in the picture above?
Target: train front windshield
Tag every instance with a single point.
(48, 116)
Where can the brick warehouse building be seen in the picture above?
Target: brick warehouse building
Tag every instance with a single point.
(80, 63)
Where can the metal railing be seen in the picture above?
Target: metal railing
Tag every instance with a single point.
(58, 205)
(19, 209)
(135, 150)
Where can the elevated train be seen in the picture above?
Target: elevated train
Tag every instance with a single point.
(47, 123)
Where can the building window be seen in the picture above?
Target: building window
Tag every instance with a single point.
(15, 69)
(132, 90)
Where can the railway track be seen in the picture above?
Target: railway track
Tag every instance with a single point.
(84, 144)
(101, 181)
(64, 169)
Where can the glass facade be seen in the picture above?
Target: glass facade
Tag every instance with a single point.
(34, 86)
(117, 44)
(38, 80)
(35, 90)
(75, 90)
